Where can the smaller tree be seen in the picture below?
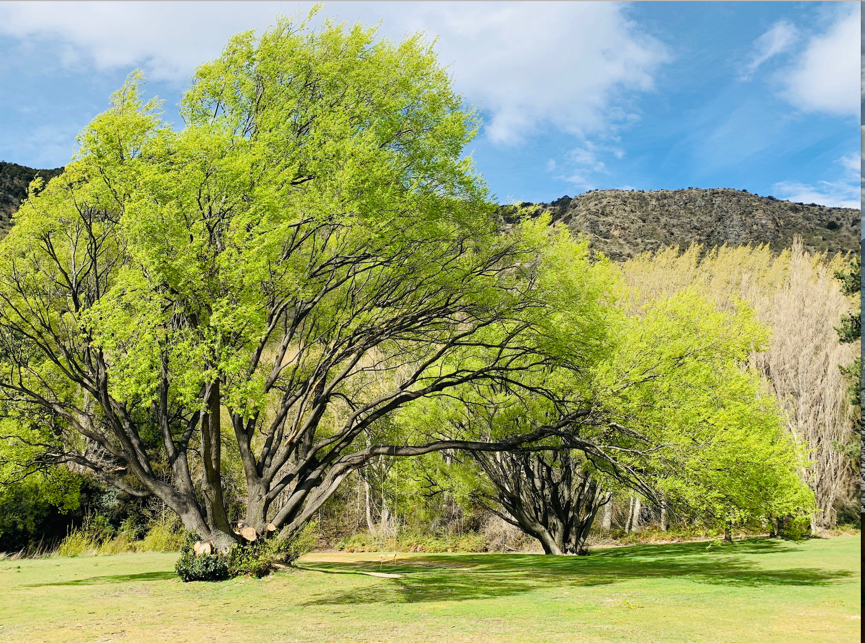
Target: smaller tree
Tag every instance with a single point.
(713, 439)
(669, 411)
(550, 495)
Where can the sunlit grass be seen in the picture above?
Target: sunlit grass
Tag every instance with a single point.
(754, 590)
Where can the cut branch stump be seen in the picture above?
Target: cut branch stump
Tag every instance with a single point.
(202, 548)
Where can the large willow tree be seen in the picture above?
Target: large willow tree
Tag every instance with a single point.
(306, 256)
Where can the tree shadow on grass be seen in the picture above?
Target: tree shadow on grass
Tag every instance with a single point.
(745, 546)
(117, 578)
(436, 578)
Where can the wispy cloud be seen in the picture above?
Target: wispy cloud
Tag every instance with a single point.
(845, 192)
(778, 39)
(585, 165)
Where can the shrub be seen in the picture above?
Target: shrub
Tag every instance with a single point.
(77, 543)
(165, 534)
(124, 541)
(243, 559)
(252, 559)
(88, 539)
(200, 568)
(120, 544)
(260, 557)
(293, 548)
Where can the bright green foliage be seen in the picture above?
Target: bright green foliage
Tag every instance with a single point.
(308, 255)
(667, 406)
(311, 259)
(711, 437)
(30, 508)
(575, 329)
(30, 498)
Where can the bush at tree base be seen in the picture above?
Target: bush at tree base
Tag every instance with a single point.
(205, 567)
(257, 558)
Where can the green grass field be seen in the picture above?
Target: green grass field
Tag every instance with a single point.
(755, 590)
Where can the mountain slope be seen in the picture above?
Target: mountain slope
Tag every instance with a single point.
(622, 224)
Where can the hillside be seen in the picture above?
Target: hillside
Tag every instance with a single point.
(622, 224)
(14, 180)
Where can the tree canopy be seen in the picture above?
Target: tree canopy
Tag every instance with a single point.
(307, 255)
(310, 275)
(670, 409)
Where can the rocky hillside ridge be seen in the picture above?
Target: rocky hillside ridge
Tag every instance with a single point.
(14, 181)
(624, 223)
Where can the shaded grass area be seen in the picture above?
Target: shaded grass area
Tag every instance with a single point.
(481, 576)
(752, 590)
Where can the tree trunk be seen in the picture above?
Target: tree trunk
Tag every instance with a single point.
(256, 506)
(630, 515)
(607, 520)
(663, 515)
(369, 522)
(635, 525)
(221, 540)
(773, 527)
(728, 531)
(551, 497)
(211, 446)
(549, 543)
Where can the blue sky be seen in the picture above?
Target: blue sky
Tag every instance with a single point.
(762, 96)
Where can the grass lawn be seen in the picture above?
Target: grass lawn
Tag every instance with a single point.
(755, 590)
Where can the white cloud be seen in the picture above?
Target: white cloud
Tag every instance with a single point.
(851, 164)
(587, 157)
(826, 76)
(832, 194)
(166, 39)
(526, 64)
(531, 64)
(845, 192)
(583, 166)
(777, 40)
